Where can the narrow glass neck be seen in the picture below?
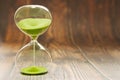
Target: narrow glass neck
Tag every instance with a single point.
(34, 41)
(34, 38)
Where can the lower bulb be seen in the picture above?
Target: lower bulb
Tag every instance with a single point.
(32, 59)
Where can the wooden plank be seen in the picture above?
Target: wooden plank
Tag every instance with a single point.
(7, 58)
(104, 60)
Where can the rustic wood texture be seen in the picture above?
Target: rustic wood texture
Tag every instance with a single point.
(83, 39)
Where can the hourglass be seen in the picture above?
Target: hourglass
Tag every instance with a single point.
(33, 20)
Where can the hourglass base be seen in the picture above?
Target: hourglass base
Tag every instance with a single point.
(33, 59)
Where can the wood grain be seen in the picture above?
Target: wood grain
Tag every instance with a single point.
(83, 39)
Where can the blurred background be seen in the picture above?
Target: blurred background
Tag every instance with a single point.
(82, 21)
(90, 28)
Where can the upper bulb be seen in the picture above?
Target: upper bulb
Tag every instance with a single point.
(33, 20)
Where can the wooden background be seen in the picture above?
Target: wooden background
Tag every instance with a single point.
(84, 39)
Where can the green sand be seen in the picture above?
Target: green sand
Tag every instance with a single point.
(34, 26)
(34, 70)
